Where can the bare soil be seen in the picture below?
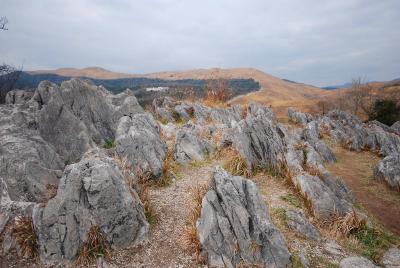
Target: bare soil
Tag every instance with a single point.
(166, 246)
(356, 169)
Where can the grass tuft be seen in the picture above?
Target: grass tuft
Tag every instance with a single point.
(109, 144)
(95, 246)
(139, 181)
(296, 262)
(292, 199)
(190, 233)
(374, 242)
(24, 234)
(235, 163)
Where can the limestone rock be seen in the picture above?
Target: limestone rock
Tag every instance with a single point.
(163, 108)
(334, 249)
(359, 262)
(18, 96)
(298, 117)
(27, 162)
(235, 225)
(391, 258)
(260, 141)
(326, 198)
(91, 193)
(189, 146)
(10, 209)
(168, 130)
(77, 115)
(396, 127)
(298, 222)
(184, 111)
(228, 116)
(388, 171)
(138, 140)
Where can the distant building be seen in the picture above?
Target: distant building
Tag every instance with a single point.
(157, 88)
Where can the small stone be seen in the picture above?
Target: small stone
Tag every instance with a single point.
(391, 258)
(356, 262)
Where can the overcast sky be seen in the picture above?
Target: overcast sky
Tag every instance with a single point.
(311, 41)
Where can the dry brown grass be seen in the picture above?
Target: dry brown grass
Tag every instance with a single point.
(190, 233)
(243, 111)
(139, 182)
(95, 246)
(24, 234)
(218, 93)
(344, 226)
(51, 190)
(234, 163)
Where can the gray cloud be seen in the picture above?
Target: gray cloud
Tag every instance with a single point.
(316, 42)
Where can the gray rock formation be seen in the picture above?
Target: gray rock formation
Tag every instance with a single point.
(163, 108)
(189, 146)
(311, 135)
(235, 225)
(183, 111)
(333, 249)
(18, 96)
(298, 117)
(78, 115)
(53, 128)
(391, 258)
(27, 162)
(91, 193)
(10, 209)
(359, 262)
(228, 116)
(168, 130)
(298, 222)
(328, 196)
(388, 171)
(352, 133)
(260, 141)
(396, 127)
(138, 140)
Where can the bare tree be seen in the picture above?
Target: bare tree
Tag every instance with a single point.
(9, 76)
(3, 23)
(324, 106)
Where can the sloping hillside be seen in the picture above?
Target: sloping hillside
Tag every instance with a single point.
(90, 72)
(274, 91)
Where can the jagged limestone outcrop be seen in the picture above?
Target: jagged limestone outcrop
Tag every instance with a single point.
(18, 96)
(138, 141)
(91, 193)
(297, 221)
(260, 141)
(388, 171)
(190, 146)
(27, 162)
(77, 115)
(235, 227)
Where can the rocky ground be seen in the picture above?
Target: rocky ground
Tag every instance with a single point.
(87, 174)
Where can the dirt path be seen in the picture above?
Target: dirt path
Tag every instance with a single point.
(166, 246)
(356, 169)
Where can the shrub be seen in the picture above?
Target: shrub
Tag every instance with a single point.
(24, 234)
(218, 92)
(386, 112)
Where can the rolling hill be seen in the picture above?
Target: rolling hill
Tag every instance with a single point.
(274, 91)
